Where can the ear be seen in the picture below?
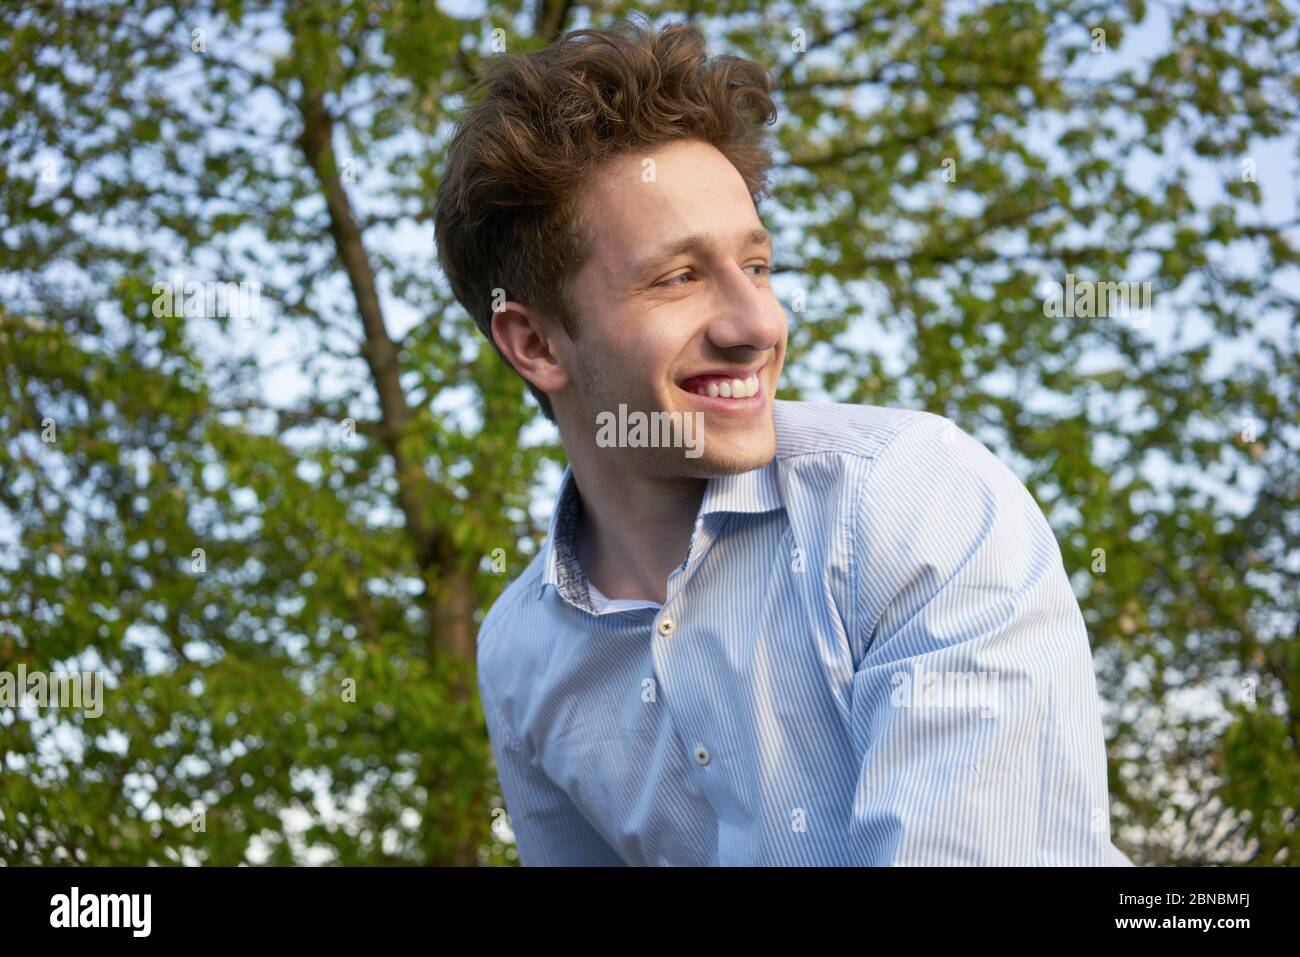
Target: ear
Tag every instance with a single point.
(529, 341)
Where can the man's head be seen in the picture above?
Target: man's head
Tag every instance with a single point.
(598, 220)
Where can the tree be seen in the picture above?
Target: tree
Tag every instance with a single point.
(284, 581)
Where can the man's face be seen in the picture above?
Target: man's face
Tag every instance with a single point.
(675, 299)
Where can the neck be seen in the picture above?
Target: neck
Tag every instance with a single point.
(634, 529)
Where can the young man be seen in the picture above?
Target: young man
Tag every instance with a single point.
(787, 633)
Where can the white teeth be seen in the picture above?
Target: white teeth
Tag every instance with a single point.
(729, 388)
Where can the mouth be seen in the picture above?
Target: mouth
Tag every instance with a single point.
(737, 393)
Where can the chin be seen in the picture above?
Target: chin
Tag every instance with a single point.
(735, 455)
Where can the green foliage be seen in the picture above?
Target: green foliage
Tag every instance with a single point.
(345, 530)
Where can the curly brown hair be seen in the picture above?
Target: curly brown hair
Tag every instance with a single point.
(506, 212)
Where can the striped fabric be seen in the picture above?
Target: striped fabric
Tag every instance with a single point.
(871, 655)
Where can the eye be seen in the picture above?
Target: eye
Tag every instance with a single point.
(671, 282)
(763, 266)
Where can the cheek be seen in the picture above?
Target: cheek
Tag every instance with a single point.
(641, 362)
(594, 373)
(617, 373)
(648, 364)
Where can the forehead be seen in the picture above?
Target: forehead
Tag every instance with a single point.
(639, 201)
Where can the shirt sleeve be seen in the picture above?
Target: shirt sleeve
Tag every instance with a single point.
(975, 708)
(549, 829)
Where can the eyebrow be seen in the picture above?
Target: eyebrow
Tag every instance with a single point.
(695, 242)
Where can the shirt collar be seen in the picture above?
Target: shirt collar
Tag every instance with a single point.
(753, 492)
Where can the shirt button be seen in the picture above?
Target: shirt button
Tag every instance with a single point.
(666, 627)
(701, 755)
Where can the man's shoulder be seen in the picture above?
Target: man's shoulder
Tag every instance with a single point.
(929, 456)
(811, 428)
(512, 601)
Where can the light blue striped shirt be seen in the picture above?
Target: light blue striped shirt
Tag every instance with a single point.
(871, 655)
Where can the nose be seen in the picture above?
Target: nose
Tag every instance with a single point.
(747, 315)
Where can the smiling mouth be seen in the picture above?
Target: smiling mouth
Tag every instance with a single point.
(722, 387)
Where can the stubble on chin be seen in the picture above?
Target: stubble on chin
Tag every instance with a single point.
(728, 461)
(719, 458)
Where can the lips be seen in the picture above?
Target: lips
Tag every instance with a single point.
(726, 388)
(722, 385)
